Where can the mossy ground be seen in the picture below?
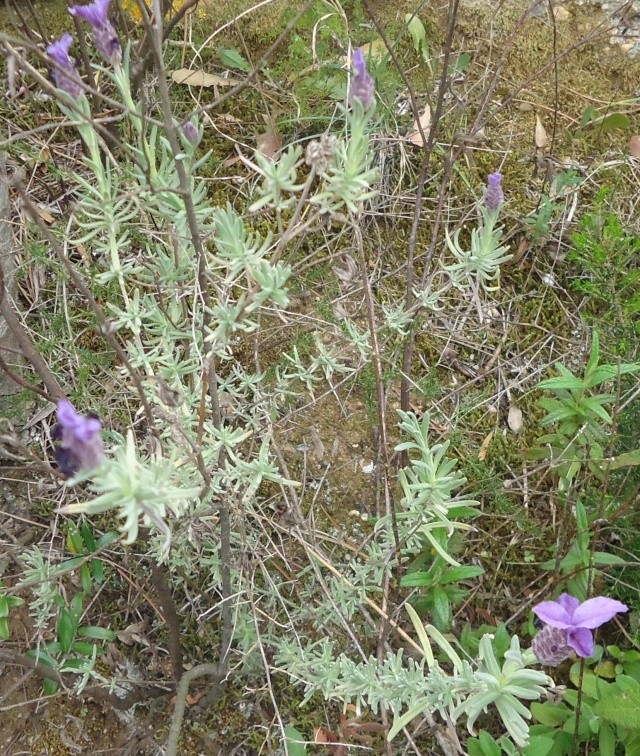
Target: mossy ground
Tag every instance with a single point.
(529, 325)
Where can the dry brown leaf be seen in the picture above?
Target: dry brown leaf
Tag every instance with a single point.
(415, 137)
(484, 447)
(201, 79)
(514, 419)
(540, 135)
(634, 146)
(270, 142)
(321, 735)
(231, 160)
(45, 215)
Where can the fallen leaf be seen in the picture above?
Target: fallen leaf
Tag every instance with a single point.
(45, 215)
(415, 137)
(322, 735)
(231, 160)
(202, 79)
(514, 419)
(270, 142)
(540, 134)
(376, 50)
(484, 447)
(634, 146)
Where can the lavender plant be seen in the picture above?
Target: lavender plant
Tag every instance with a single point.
(480, 264)
(424, 687)
(188, 281)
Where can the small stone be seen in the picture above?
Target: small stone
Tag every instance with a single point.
(514, 419)
(561, 13)
(634, 146)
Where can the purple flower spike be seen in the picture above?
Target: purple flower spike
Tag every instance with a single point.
(550, 646)
(578, 620)
(494, 196)
(104, 35)
(79, 441)
(190, 132)
(65, 73)
(362, 84)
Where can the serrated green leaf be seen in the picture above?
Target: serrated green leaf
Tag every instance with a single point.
(49, 687)
(601, 558)
(85, 578)
(473, 747)
(418, 35)
(621, 708)
(592, 404)
(463, 572)
(84, 648)
(581, 518)
(632, 748)
(416, 580)
(231, 58)
(613, 121)
(594, 355)
(441, 609)
(627, 459)
(97, 570)
(568, 383)
(88, 537)
(67, 566)
(106, 539)
(592, 686)
(550, 714)
(488, 745)
(66, 629)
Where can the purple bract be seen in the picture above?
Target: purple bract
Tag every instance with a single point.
(550, 646)
(65, 73)
(578, 619)
(190, 132)
(79, 441)
(104, 35)
(494, 196)
(362, 84)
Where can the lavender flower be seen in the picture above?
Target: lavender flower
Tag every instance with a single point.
(550, 646)
(79, 443)
(577, 620)
(190, 132)
(104, 35)
(494, 196)
(362, 85)
(65, 73)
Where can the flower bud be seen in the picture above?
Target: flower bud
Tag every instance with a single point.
(65, 74)
(362, 84)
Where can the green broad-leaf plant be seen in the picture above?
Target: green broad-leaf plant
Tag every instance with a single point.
(580, 418)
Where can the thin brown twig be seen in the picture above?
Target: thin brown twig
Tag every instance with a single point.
(82, 288)
(54, 391)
